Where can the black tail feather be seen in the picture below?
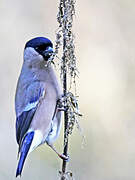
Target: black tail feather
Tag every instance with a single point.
(24, 151)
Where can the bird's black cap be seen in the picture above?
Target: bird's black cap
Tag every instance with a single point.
(39, 42)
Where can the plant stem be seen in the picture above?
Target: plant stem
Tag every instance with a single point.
(65, 93)
(65, 152)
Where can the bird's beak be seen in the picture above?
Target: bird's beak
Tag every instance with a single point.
(48, 52)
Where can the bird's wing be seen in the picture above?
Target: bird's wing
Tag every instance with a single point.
(29, 100)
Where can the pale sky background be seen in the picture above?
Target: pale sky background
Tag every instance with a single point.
(105, 43)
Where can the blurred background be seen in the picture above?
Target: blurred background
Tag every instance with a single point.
(105, 43)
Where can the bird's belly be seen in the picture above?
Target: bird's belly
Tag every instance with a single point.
(43, 117)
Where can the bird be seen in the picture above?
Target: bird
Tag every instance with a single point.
(38, 117)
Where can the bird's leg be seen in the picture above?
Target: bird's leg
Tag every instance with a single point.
(62, 156)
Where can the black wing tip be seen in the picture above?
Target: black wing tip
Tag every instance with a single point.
(22, 124)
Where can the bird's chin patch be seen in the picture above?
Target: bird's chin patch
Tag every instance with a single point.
(47, 57)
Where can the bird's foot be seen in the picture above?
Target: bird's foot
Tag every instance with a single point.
(65, 158)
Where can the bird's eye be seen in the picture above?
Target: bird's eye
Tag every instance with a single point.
(40, 48)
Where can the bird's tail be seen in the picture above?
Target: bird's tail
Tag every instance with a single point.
(24, 151)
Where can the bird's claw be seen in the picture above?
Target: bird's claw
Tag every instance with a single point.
(65, 158)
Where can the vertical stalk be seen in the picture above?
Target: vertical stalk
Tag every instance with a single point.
(65, 151)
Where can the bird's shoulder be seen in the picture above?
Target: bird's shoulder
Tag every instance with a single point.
(28, 94)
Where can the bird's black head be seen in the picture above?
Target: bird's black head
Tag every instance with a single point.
(42, 45)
